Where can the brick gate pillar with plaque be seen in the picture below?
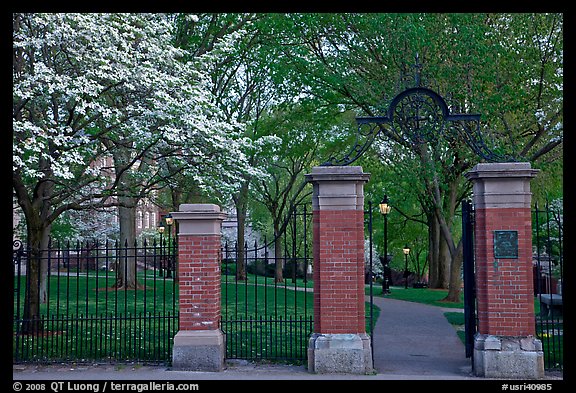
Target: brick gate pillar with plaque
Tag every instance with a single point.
(505, 345)
(199, 344)
(339, 343)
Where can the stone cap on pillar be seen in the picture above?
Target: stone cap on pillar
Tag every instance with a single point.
(501, 185)
(337, 173)
(501, 169)
(199, 219)
(338, 187)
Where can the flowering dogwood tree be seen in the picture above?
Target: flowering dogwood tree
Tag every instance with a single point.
(233, 56)
(89, 87)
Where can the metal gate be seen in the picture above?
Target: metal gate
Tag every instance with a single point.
(469, 277)
(267, 299)
(548, 271)
(370, 275)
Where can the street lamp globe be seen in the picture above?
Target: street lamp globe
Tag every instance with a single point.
(160, 228)
(384, 206)
(406, 250)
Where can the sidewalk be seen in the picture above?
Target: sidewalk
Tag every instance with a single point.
(411, 341)
(416, 340)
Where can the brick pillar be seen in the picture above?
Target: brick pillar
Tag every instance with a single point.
(505, 345)
(199, 343)
(339, 343)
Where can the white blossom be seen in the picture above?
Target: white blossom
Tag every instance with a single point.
(86, 78)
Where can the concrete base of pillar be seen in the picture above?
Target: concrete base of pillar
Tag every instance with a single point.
(340, 353)
(508, 357)
(199, 350)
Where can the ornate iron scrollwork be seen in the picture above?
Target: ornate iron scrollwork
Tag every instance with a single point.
(420, 115)
(17, 251)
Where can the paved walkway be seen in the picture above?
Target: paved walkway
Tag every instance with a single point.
(413, 339)
(411, 342)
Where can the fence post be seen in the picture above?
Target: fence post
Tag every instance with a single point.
(339, 343)
(199, 344)
(505, 345)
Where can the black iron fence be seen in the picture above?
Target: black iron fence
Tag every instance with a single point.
(95, 302)
(267, 299)
(548, 262)
(468, 273)
(370, 272)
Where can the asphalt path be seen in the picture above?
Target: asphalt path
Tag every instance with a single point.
(413, 339)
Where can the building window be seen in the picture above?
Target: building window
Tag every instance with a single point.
(147, 220)
(139, 219)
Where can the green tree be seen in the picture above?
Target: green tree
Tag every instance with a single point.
(253, 90)
(300, 128)
(239, 80)
(87, 87)
(508, 67)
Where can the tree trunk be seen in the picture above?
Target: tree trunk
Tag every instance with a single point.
(38, 224)
(439, 256)
(433, 257)
(36, 277)
(443, 264)
(126, 263)
(455, 251)
(419, 269)
(454, 288)
(278, 276)
(241, 213)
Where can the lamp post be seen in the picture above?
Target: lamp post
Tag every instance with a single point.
(406, 251)
(384, 210)
(169, 222)
(160, 229)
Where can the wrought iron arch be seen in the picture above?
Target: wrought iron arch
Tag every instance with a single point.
(419, 115)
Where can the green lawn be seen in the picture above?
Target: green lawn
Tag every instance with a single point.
(256, 297)
(92, 294)
(86, 319)
(272, 321)
(456, 319)
(429, 296)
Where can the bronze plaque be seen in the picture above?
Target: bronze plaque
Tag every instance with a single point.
(505, 244)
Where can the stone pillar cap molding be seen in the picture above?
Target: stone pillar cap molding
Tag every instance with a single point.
(501, 185)
(199, 207)
(199, 219)
(502, 169)
(337, 173)
(198, 211)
